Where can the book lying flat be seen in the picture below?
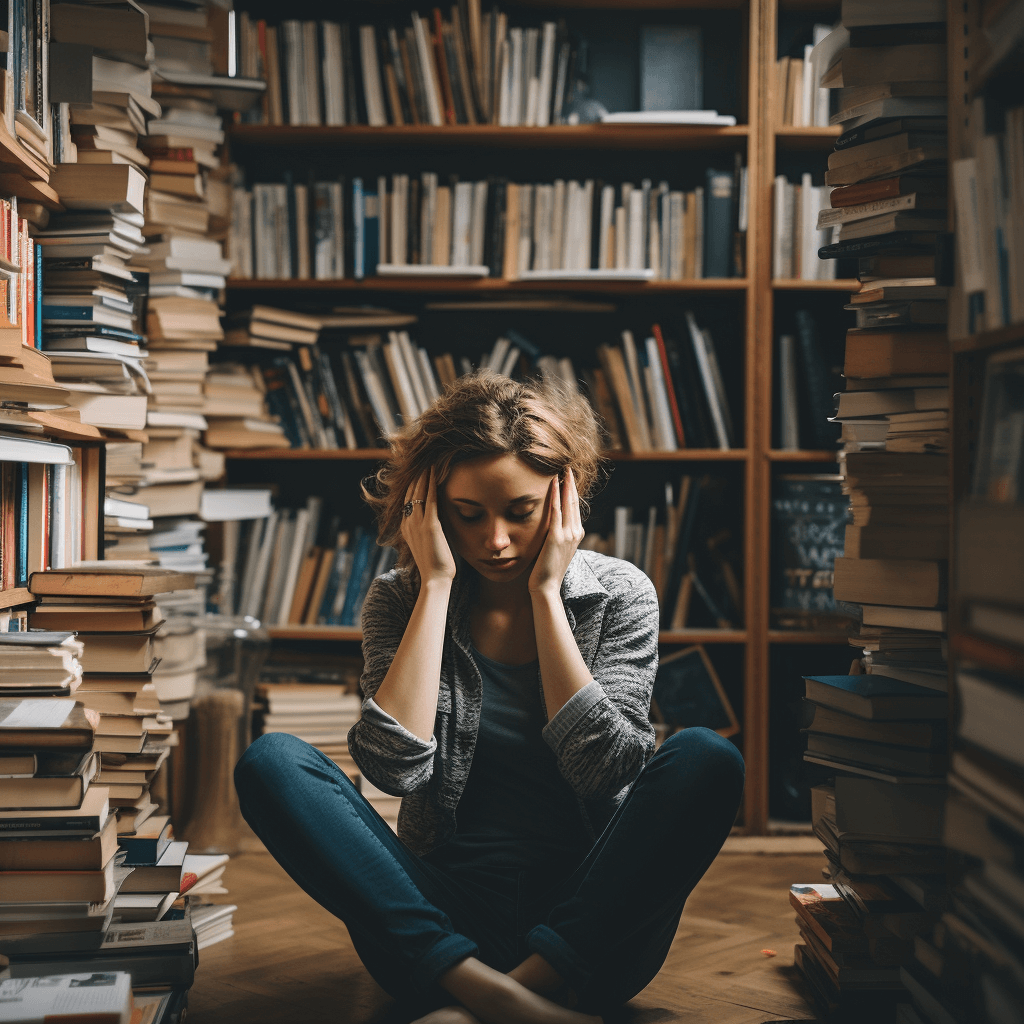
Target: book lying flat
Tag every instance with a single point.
(876, 697)
(112, 582)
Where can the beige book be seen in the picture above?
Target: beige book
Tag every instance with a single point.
(442, 230)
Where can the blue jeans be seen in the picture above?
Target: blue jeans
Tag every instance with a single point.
(606, 928)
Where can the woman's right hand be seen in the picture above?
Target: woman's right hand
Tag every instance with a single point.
(423, 532)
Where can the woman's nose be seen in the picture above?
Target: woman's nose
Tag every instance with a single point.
(497, 537)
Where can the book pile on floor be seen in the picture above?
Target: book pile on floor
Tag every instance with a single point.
(319, 713)
(976, 951)
(880, 735)
(560, 230)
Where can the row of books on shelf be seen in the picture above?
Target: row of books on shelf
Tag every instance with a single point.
(494, 227)
(660, 395)
(473, 67)
(799, 100)
(797, 238)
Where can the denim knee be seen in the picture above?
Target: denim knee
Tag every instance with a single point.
(703, 753)
(265, 758)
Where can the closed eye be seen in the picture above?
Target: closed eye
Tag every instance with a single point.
(520, 517)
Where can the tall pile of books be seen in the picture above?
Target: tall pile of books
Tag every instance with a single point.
(879, 736)
(560, 230)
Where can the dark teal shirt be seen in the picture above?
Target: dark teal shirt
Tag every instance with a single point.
(516, 810)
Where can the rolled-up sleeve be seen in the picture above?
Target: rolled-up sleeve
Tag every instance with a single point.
(391, 757)
(602, 736)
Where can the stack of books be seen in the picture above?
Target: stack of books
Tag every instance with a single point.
(112, 609)
(318, 713)
(560, 230)
(237, 416)
(880, 735)
(984, 927)
(883, 743)
(688, 547)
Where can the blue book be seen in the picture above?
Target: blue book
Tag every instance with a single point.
(69, 312)
(337, 580)
(877, 697)
(21, 510)
(363, 564)
(358, 234)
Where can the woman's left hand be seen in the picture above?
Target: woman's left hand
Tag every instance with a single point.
(565, 531)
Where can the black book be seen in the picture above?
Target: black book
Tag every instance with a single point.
(818, 398)
(891, 126)
(352, 109)
(739, 247)
(412, 235)
(680, 561)
(283, 404)
(391, 35)
(595, 219)
(454, 75)
(383, 63)
(320, 79)
(690, 395)
(898, 35)
(96, 331)
(718, 221)
(335, 403)
(367, 432)
(348, 227)
(897, 243)
(282, 63)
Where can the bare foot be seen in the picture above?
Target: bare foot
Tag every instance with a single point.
(448, 1015)
(496, 998)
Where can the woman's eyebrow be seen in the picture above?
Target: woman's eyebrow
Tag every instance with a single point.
(514, 501)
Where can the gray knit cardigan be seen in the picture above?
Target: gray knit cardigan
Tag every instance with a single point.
(602, 736)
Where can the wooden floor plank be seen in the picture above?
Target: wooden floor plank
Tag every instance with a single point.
(290, 960)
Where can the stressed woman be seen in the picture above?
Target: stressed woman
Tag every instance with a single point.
(544, 849)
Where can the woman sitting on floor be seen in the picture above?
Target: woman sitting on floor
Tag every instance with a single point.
(544, 850)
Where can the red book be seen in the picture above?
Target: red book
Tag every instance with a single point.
(677, 420)
(442, 68)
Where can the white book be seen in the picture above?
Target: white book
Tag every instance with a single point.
(700, 350)
(461, 224)
(427, 64)
(376, 394)
(530, 83)
(376, 113)
(295, 554)
(412, 369)
(789, 433)
(511, 359)
(478, 224)
(497, 357)
(525, 228)
(663, 414)
(547, 74)
(427, 375)
(622, 516)
(635, 257)
(558, 225)
(515, 95)
(807, 89)
(605, 259)
(648, 555)
(822, 97)
(808, 269)
(826, 269)
(254, 597)
(395, 361)
(505, 84)
(292, 31)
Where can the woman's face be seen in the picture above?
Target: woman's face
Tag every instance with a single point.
(494, 510)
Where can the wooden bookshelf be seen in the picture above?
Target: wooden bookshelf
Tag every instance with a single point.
(986, 341)
(583, 136)
(782, 455)
(375, 454)
(449, 285)
(806, 636)
(353, 634)
(840, 284)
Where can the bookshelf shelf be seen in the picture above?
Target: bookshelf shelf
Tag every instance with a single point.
(355, 634)
(374, 454)
(816, 139)
(778, 455)
(15, 597)
(15, 157)
(806, 636)
(588, 136)
(437, 285)
(983, 341)
(796, 285)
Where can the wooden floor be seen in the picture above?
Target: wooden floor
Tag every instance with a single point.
(291, 961)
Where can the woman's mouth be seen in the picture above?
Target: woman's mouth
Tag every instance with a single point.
(498, 563)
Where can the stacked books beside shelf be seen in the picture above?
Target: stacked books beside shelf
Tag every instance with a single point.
(984, 926)
(687, 547)
(799, 102)
(561, 230)
(878, 735)
(988, 193)
(473, 67)
(352, 389)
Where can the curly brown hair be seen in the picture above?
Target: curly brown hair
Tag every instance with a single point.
(550, 426)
